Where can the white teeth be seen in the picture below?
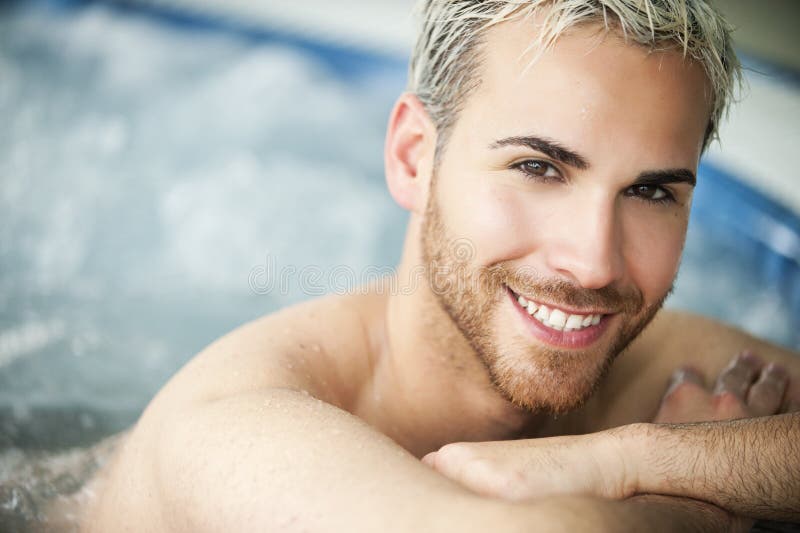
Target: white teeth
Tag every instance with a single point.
(542, 314)
(574, 322)
(557, 320)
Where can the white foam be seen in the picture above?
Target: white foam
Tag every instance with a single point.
(27, 338)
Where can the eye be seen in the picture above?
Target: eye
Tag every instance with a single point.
(538, 170)
(650, 193)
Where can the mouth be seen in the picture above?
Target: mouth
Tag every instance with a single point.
(559, 326)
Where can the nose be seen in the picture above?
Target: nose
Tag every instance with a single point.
(586, 247)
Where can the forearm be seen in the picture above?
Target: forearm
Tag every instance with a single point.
(652, 513)
(674, 513)
(749, 466)
(312, 467)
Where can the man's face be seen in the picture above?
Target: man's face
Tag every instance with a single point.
(567, 183)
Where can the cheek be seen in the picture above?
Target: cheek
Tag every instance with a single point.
(652, 252)
(493, 218)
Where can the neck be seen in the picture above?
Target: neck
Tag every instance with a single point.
(429, 386)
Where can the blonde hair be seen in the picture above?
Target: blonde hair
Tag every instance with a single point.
(447, 53)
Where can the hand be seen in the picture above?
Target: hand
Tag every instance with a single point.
(533, 468)
(746, 388)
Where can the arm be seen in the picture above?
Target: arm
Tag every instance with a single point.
(278, 459)
(667, 473)
(749, 466)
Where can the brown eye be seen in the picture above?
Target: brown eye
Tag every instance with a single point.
(652, 193)
(537, 169)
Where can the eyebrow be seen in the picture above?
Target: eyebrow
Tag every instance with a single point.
(548, 147)
(671, 175)
(558, 152)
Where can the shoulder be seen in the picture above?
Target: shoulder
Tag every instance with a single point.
(680, 337)
(318, 346)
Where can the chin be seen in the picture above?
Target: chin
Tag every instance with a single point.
(542, 378)
(548, 380)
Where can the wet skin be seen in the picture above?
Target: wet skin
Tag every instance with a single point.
(267, 421)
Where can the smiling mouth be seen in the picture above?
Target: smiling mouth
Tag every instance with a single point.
(555, 318)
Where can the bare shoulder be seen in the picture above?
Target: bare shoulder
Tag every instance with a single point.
(638, 378)
(683, 338)
(318, 347)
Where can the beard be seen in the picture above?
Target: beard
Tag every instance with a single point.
(531, 375)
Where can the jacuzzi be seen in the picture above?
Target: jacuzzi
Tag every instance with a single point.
(154, 164)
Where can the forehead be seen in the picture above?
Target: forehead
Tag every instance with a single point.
(591, 91)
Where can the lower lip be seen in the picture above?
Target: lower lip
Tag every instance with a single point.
(583, 338)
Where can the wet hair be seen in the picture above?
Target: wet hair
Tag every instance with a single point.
(446, 58)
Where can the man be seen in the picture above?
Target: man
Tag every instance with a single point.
(546, 152)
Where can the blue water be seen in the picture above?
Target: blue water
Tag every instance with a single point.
(151, 171)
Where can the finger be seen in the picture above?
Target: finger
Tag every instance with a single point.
(451, 459)
(766, 394)
(459, 462)
(684, 375)
(430, 459)
(739, 375)
(685, 400)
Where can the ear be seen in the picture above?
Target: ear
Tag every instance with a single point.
(408, 153)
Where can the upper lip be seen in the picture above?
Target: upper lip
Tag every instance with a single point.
(566, 309)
